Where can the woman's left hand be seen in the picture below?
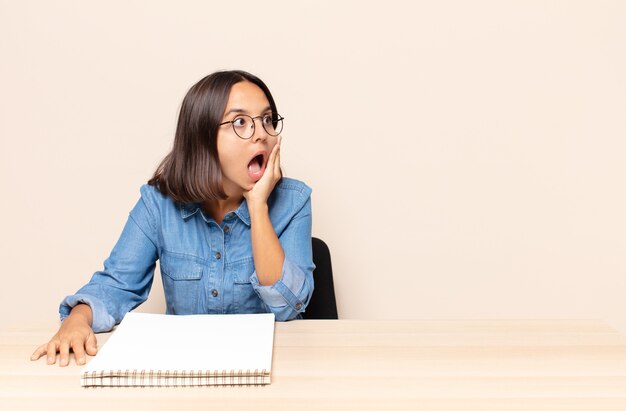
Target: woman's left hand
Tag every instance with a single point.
(261, 191)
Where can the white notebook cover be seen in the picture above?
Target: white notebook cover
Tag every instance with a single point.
(159, 342)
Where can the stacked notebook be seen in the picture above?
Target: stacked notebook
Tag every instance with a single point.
(185, 350)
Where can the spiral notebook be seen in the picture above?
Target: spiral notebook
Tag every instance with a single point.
(185, 350)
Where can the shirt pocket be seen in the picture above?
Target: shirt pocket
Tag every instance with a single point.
(246, 300)
(182, 283)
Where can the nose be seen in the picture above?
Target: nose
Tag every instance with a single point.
(259, 131)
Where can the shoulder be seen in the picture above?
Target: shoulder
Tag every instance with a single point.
(293, 187)
(155, 201)
(290, 195)
(152, 194)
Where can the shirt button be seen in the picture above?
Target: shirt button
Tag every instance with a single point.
(298, 306)
(230, 215)
(227, 229)
(214, 292)
(218, 255)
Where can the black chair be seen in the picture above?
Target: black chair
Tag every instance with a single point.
(322, 305)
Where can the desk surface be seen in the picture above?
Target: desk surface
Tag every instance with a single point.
(352, 364)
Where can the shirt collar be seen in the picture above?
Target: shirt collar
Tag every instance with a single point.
(189, 209)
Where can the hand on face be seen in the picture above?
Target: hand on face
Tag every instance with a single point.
(262, 189)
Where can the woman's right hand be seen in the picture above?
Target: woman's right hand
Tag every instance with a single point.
(76, 334)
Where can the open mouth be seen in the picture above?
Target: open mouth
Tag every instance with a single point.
(256, 166)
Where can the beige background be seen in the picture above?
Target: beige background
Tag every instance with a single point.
(467, 158)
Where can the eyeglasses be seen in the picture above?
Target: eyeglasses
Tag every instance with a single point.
(243, 125)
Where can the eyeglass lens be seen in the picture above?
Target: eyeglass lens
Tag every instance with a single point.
(244, 125)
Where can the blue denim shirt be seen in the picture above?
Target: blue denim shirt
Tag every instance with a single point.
(206, 268)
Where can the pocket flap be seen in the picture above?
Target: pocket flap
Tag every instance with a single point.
(242, 270)
(179, 267)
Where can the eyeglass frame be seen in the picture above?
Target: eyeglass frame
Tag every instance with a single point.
(232, 123)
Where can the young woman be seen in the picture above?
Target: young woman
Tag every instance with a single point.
(231, 234)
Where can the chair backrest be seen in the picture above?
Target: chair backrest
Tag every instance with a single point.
(322, 305)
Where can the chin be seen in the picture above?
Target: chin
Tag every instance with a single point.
(246, 185)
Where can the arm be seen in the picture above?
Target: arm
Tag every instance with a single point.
(290, 294)
(126, 279)
(283, 275)
(267, 252)
(110, 294)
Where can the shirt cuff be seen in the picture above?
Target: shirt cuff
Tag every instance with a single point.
(102, 320)
(285, 291)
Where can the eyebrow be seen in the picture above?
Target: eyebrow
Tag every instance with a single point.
(239, 110)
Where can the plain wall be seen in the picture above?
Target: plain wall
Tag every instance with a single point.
(467, 159)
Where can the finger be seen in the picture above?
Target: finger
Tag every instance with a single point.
(277, 163)
(272, 158)
(39, 352)
(51, 351)
(64, 353)
(78, 346)
(91, 344)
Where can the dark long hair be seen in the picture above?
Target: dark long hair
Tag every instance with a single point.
(191, 172)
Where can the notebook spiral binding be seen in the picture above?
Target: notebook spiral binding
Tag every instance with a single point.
(161, 378)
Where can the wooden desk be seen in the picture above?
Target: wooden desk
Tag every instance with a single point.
(378, 365)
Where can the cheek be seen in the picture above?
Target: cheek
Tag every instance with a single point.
(230, 161)
(272, 143)
(226, 162)
(226, 154)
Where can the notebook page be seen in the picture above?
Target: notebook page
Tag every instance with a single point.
(188, 342)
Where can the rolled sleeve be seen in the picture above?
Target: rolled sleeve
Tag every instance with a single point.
(289, 296)
(102, 320)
